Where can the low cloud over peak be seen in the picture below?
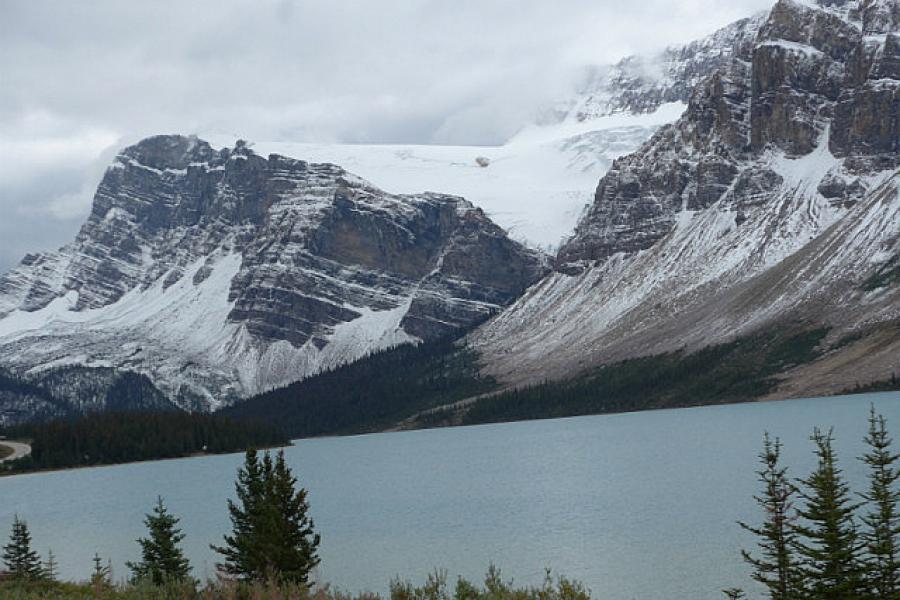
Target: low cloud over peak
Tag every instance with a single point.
(80, 79)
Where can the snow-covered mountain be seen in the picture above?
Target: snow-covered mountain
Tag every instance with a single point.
(220, 273)
(772, 203)
(536, 186)
(641, 84)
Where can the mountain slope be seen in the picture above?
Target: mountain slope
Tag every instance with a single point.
(220, 273)
(773, 202)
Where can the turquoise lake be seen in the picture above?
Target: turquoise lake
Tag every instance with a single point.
(636, 506)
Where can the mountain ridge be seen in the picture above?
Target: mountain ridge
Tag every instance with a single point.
(640, 84)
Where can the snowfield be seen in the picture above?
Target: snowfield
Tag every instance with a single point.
(536, 186)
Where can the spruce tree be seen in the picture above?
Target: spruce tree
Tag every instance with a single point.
(244, 551)
(51, 568)
(882, 534)
(297, 542)
(20, 560)
(828, 539)
(777, 567)
(272, 536)
(162, 560)
(101, 578)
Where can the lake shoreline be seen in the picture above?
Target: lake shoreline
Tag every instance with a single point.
(761, 400)
(403, 429)
(5, 474)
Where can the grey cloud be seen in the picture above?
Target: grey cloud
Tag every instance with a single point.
(77, 78)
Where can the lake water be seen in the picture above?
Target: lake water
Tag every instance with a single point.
(639, 505)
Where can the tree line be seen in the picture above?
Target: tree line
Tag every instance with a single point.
(415, 381)
(273, 538)
(735, 371)
(372, 393)
(818, 539)
(270, 553)
(72, 391)
(117, 437)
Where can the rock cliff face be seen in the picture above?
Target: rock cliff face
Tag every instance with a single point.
(220, 273)
(811, 76)
(773, 199)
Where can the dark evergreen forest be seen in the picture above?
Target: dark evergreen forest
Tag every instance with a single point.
(733, 372)
(371, 394)
(429, 385)
(413, 386)
(118, 437)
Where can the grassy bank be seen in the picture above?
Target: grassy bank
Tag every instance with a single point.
(435, 587)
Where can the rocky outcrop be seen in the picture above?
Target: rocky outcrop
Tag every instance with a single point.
(636, 203)
(220, 273)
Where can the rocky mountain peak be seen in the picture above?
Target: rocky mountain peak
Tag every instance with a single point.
(874, 17)
(641, 84)
(176, 152)
(879, 17)
(813, 78)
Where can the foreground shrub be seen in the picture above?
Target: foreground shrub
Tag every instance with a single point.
(495, 588)
(434, 588)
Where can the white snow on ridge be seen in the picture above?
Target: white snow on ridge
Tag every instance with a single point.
(805, 172)
(792, 46)
(187, 316)
(570, 127)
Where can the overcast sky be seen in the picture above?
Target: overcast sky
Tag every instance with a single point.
(80, 79)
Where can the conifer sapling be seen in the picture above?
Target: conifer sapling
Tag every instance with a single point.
(162, 560)
(51, 568)
(20, 560)
(272, 535)
(828, 541)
